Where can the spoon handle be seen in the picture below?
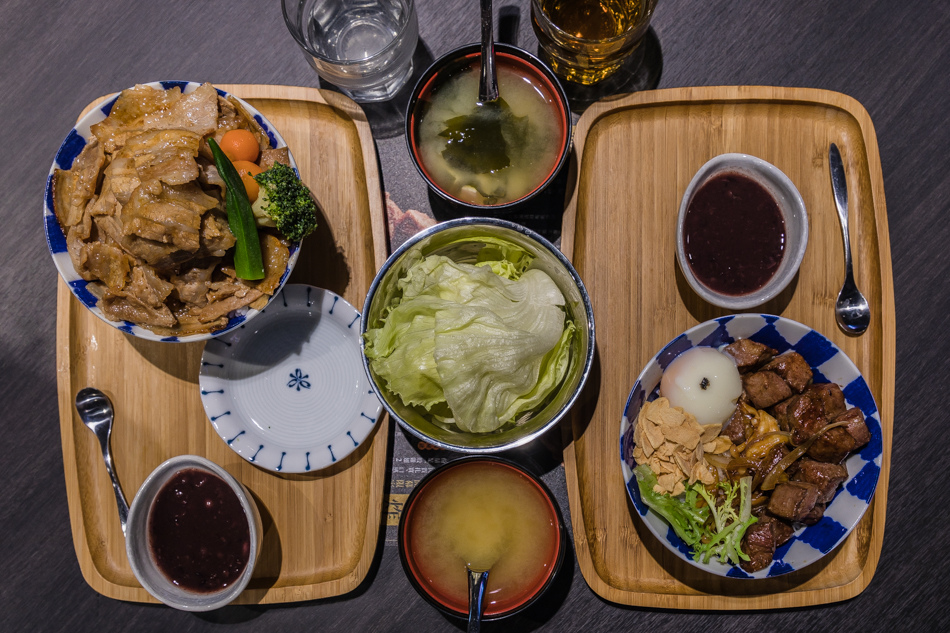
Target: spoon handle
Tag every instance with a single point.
(119, 495)
(840, 188)
(476, 597)
(488, 83)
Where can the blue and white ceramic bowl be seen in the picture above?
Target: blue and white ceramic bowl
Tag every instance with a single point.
(288, 392)
(73, 144)
(829, 364)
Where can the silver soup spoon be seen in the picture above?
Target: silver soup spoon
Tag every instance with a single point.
(95, 411)
(488, 81)
(851, 310)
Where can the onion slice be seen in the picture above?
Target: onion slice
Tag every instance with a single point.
(779, 469)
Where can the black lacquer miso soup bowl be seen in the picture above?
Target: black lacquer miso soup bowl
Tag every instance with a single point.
(488, 158)
(485, 512)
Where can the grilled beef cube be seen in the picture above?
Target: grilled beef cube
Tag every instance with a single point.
(834, 445)
(774, 457)
(781, 531)
(765, 388)
(793, 369)
(802, 415)
(793, 500)
(815, 515)
(739, 427)
(748, 354)
(758, 544)
(824, 475)
(831, 396)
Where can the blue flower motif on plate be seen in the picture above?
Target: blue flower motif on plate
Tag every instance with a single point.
(298, 379)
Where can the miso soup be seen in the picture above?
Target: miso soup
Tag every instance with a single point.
(487, 515)
(496, 153)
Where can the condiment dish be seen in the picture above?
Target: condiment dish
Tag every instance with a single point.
(791, 245)
(140, 550)
(459, 240)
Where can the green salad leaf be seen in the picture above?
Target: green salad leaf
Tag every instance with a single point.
(712, 526)
(685, 513)
(475, 345)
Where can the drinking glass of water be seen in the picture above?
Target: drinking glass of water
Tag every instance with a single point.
(364, 47)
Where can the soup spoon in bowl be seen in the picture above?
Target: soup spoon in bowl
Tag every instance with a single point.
(477, 580)
(488, 81)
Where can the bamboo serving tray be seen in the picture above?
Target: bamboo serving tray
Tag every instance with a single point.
(636, 154)
(321, 529)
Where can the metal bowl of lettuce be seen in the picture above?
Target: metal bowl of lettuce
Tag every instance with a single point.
(477, 335)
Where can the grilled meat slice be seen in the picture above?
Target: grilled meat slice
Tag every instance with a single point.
(815, 515)
(781, 531)
(74, 187)
(758, 544)
(740, 426)
(271, 156)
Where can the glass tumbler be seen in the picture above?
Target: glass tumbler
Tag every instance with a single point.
(585, 41)
(364, 47)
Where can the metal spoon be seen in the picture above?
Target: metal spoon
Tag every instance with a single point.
(95, 411)
(477, 579)
(851, 310)
(488, 82)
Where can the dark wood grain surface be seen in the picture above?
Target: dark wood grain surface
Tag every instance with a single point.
(891, 56)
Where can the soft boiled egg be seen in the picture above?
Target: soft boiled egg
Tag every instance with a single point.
(705, 382)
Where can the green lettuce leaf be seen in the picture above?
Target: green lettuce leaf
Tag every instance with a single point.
(488, 346)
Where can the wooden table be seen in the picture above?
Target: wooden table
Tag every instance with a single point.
(890, 57)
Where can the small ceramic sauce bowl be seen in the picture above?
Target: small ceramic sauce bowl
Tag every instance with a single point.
(139, 547)
(793, 214)
(489, 513)
(507, 58)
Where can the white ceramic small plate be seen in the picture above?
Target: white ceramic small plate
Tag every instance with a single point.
(287, 392)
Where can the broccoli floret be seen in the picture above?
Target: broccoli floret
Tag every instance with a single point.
(284, 202)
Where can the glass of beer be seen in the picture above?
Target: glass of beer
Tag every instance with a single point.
(585, 41)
